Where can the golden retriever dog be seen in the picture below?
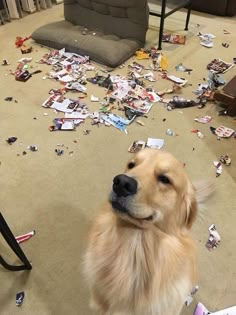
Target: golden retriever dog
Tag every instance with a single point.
(140, 258)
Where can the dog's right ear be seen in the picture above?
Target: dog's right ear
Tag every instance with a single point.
(189, 207)
(191, 213)
(196, 194)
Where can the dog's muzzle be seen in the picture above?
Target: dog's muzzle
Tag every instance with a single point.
(124, 185)
(124, 188)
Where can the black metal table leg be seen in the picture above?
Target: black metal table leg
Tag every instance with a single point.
(163, 11)
(11, 267)
(188, 15)
(10, 239)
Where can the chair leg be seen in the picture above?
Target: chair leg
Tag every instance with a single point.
(188, 15)
(6, 10)
(163, 11)
(10, 239)
(18, 5)
(11, 267)
(1, 18)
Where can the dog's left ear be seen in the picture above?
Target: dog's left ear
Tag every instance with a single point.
(189, 207)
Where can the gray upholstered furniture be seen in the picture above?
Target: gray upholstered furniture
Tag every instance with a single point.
(217, 7)
(109, 31)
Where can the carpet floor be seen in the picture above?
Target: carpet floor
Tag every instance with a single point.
(58, 196)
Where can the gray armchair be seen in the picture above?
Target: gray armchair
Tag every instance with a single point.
(115, 29)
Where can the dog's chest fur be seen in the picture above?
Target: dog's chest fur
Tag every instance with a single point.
(137, 271)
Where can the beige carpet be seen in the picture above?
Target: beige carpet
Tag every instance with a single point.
(58, 196)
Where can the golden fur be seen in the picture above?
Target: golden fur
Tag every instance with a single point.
(142, 262)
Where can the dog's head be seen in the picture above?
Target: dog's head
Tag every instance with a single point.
(154, 189)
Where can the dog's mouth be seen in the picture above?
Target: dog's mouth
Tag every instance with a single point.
(123, 210)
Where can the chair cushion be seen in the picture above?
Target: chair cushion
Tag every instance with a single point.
(107, 49)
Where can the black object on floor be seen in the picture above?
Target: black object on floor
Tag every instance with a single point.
(10, 239)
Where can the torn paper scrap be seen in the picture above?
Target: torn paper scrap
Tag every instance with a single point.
(204, 119)
(177, 80)
(219, 66)
(201, 309)
(189, 298)
(155, 143)
(225, 159)
(218, 167)
(174, 38)
(19, 298)
(182, 68)
(116, 121)
(214, 238)
(226, 311)
(136, 146)
(224, 132)
(94, 98)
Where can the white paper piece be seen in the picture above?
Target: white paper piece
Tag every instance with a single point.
(94, 98)
(150, 76)
(155, 143)
(58, 73)
(214, 238)
(25, 60)
(206, 40)
(88, 67)
(94, 115)
(62, 52)
(136, 75)
(76, 115)
(226, 311)
(76, 86)
(154, 97)
(67, 125)
(224, 132)
(66, 106)
(49, 102)
(204, 120)
(118, 79)
(122, 90)
(65, 78)
(207, 35)
(65, 63)
(206, 43)
(201, 309)
(218, 167)
(78, 121)
(177, 80)
(139, 106)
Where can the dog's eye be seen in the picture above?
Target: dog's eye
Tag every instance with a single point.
(130, 165)
(163, 179)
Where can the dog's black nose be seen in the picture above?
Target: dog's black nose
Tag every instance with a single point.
(124, 185)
